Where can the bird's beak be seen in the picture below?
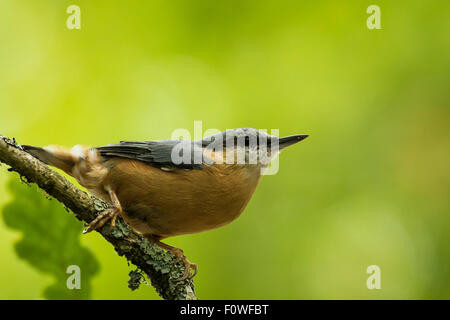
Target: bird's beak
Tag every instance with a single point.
(290, 140)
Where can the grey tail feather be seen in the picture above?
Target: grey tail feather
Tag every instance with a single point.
(62, 160)
(37, 152)
(27, 148)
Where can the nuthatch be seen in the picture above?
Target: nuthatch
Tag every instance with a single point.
(171, 187)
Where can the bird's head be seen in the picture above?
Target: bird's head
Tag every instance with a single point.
(247, 146)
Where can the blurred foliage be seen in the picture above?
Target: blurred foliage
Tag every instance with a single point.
(369, 186)
(50, 240)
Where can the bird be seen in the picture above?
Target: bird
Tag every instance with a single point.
(171, 187)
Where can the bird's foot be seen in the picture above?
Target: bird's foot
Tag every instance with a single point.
(108, 215)
(179, 254)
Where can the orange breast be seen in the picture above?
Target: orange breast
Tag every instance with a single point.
(181, 201)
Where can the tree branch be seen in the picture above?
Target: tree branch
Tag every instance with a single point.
(161, 267)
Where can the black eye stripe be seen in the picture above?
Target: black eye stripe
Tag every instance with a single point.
(259, 140)
(265, 141)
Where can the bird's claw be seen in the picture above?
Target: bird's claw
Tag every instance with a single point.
(187, 265)
(187, 271)
(99, 221)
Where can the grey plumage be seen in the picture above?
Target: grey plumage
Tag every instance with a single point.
(156, 153)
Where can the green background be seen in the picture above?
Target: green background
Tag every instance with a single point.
(369, 186)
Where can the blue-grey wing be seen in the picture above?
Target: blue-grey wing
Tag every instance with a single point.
(162, 154)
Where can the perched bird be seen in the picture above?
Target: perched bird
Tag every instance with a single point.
(171, 187)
